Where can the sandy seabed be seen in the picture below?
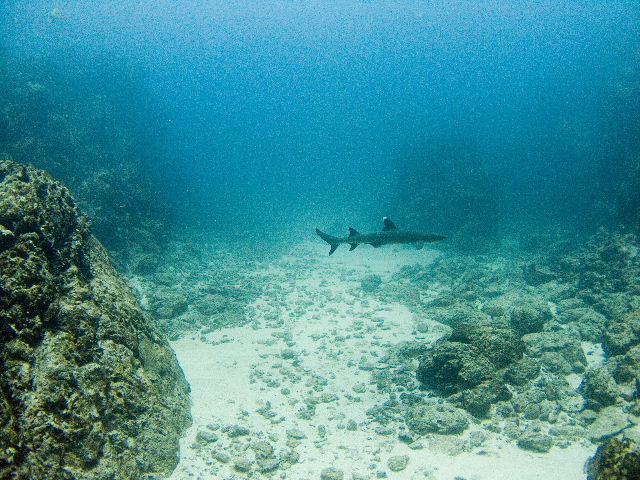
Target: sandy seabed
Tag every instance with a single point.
(300, 345)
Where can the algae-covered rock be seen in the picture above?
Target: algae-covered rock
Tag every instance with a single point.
(622, 333)
(499, 345)
(561, 342)
(590, 324)
(615, 460)
(599, 388)
(478, 400)
(530, 317)
(627, 366)
(453, 366)
(535, 442)
(468, 366)
(89, 389)
(441, 418)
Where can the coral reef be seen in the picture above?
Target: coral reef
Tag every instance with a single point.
(89, 389)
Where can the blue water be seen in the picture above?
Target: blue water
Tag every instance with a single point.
(291, 114)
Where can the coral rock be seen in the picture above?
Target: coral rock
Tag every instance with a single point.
(89, 390)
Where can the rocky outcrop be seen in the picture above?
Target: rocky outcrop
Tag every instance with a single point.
(89, 389)
(615, 460)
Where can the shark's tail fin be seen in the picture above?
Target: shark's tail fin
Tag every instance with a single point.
(333, 241)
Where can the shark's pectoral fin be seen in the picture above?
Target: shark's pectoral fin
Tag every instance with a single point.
(353, 246)
(419, 245)
(333, 248)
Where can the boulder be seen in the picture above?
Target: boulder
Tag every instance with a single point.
(530, 317)
(615, 460)
(89, 389)
(561, 342)
(599, 388)
(441, 418)
(622, 333)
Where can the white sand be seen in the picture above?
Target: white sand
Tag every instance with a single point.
(235, 371)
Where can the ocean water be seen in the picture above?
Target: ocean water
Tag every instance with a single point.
(208, 140)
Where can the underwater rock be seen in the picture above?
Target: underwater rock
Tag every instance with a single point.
(478, 400)
(530, 317)
(622, 334)
(220, 310)
(561, 342)
(498, 344)
(599, 388)
(371, 283)
(441, 418)
(627, 366)
(535, 442)
(461, 314)
(615, 460)
(468, 365)
(398, 463)
(590, 324)
(453, 366)
(522, 371)
(168, 303)
(89, 388)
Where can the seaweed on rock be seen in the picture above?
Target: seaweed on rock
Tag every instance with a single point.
(89, 390)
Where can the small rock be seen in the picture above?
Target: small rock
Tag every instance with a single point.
(398, 463)
(536, 442)
(359, 387)
(266, 465)
(220, 456)
(331, 473)
(205, 436)
(234, 431)
(262, 449)
(242, 465)
(296, 434)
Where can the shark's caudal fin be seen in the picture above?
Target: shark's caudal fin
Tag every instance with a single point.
(333, 241)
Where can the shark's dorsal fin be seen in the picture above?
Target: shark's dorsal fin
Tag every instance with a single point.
(353, 231)
(388, 224)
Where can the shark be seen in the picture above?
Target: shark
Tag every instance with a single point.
(390, 234)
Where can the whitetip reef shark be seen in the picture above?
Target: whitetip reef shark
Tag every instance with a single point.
(388, 235)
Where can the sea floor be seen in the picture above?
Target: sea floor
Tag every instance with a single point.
(286, 396)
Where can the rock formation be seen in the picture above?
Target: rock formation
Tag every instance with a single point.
(88, 388)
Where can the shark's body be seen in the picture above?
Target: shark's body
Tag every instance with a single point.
(389, 234)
